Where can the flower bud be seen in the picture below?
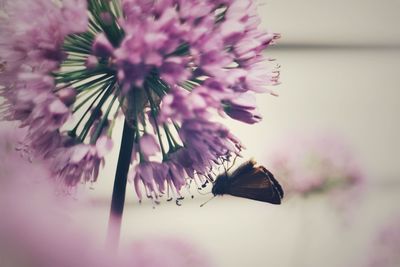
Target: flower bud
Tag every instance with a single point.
(102, 46)
(67, 95)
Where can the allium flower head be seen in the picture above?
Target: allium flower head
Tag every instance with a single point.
(170, 66)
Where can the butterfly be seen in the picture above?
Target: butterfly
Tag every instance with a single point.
(249, 181)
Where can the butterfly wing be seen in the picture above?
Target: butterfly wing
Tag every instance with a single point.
(274, 181)
(257, 184)
(245, 168)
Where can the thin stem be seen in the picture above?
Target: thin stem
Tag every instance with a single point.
(100, 92)
(103, 121)
(153, 112)
(118, 196)
(111, 128)
(168, 131)
(97, 111)
(170, 142)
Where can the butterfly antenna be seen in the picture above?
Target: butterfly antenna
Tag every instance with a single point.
(207, 201)
(233, 163)
(226, 170)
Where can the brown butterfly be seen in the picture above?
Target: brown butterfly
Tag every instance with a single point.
(249, 181)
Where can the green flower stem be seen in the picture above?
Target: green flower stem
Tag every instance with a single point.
(100, 91)
(113, 121)
(164, 154)
(93, 83)
(113, 32)
(187, 86)
(168, 132)
(177, 127)
(96, 111)
(103, 121)
(195, 82)
(76, 49)
(136, 111)
(78, 43)
(85, 40)
(87, 85)
(154, 117)
(170, 142)
(93, 28)
(141, 157)
(117, 8)
(119, 190)
(111, 128)
(84, 71)
(81, 74)
(156, 88)
(83, 102)
(154, 109)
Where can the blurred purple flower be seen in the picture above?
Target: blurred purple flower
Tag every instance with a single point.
(30, 41)
(102, 47)
(385, 247)
(166, 252)
(35, 232)
(172, 65)
(315, 163)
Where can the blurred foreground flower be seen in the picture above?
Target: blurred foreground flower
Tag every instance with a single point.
(36, 232)
(315, 163)
(170, 66)
(386, 246)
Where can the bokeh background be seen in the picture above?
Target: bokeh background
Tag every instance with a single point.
(340, 74)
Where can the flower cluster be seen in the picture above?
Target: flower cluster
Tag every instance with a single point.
(170, 66)
(314, 163)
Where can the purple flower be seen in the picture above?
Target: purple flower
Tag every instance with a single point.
(385, 246)
(209, 141)
(75, 12)
(243, 108)
(20, 98)
(155, 252)
(315, 163)
(28, 39)
(147, 43)
(181, 105)
(175, 176)
(143, 173)
(171, 67)
(149, 145)
(72, 163)
(67, 95)
(154, 178)
(49, 114)
(102, 47)
(91, 62)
